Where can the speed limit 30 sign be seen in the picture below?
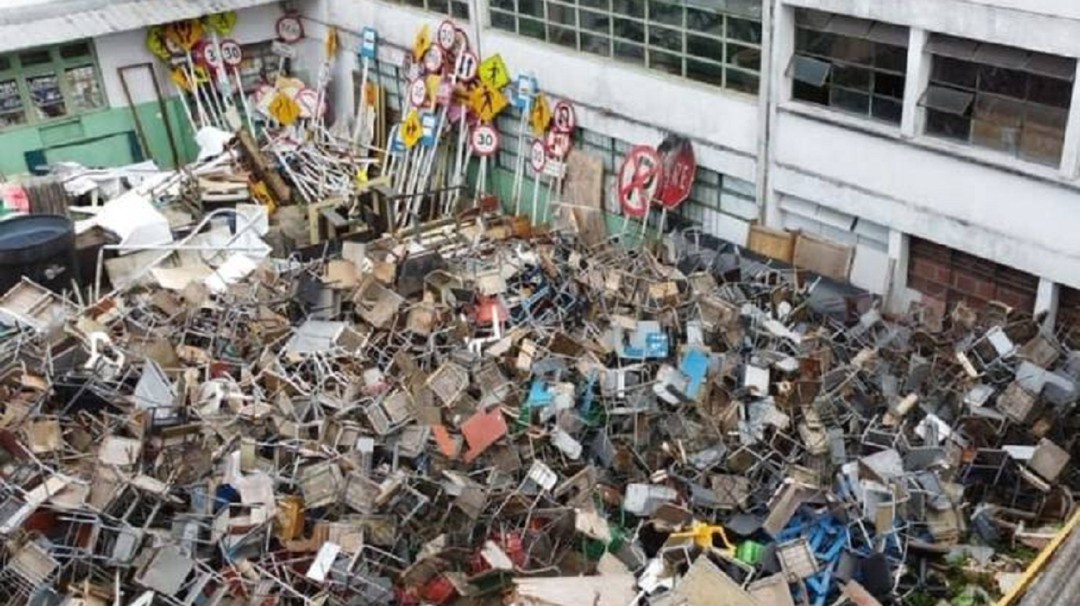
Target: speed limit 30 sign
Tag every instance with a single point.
(484, 140)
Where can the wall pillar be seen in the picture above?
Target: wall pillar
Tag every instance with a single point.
(896, 299)
(919, 64)
(1070, 155)
(783, 47)
(1046, 302)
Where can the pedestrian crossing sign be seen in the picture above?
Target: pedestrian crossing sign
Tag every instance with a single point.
(493, 72)
(541, 115)
(487, 101)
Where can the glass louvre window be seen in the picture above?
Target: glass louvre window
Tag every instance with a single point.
(718, 43)
(458, 9)
(853, 65)
(998, 97)
(42, 84)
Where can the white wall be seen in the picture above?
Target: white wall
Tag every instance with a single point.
(633, 104)
(1019, 221)
(129, 48)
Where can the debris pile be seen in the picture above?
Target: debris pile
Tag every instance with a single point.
(480, 410)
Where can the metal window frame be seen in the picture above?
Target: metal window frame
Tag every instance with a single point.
(449, 12)
(1013, 58)
(650, 51)
(58, 66)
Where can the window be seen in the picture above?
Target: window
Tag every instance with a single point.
(999, 97)
(715, 43)
(458, 9)
(853, 65)
(40, 84)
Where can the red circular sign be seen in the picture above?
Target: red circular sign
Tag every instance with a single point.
(484, 140)
(558, 144)
(679, 167)
(231, 53)
(639, 178)
(563, 118)
(538, 156)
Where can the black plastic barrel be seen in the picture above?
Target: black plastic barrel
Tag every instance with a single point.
(40, 247)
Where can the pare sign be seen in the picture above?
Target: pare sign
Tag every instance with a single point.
(679, 171)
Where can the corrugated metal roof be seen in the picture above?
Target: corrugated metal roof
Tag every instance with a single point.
(29, 23)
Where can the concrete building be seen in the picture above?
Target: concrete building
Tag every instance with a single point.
(940, 138)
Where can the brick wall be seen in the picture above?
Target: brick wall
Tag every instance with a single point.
(952, 276)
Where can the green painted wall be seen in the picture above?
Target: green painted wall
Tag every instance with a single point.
(102, 138)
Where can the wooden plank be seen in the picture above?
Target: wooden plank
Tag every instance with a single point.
(823, 257)
(773, 243)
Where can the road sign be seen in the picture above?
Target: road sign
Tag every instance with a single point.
(308, 100)
(231, 53)
(411, 129)
(639, 178)
(678, 168)
(422, 42)
(208, 53)
(487, 102)
(446, 34)
(289, 29)
(184, 34)
(444, 92)
(558, 144)
(417, 92)
(222, 23)
(541, 115)
(555, 169)
(429, 124)
(461, 41)
(493, 72)
(525, 90)
(369, 40)
(283, 49)
(538, 156)
(284, 109)
(484, 140)
(397, 146)
(466, 66)
(155, 41)
(433, 60)
(564, 119)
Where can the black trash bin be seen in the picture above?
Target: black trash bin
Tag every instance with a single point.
(40, 247)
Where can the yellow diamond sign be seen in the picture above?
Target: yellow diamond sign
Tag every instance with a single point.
(541, 115)
(411, 129)
(493, 72)
(487, 102)
(422, 42)
(284, 109)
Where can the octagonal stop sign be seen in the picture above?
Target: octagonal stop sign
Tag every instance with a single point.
(679, 170)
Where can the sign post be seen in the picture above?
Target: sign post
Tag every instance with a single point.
(523, 100)
(369, 39)
(537, 160)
